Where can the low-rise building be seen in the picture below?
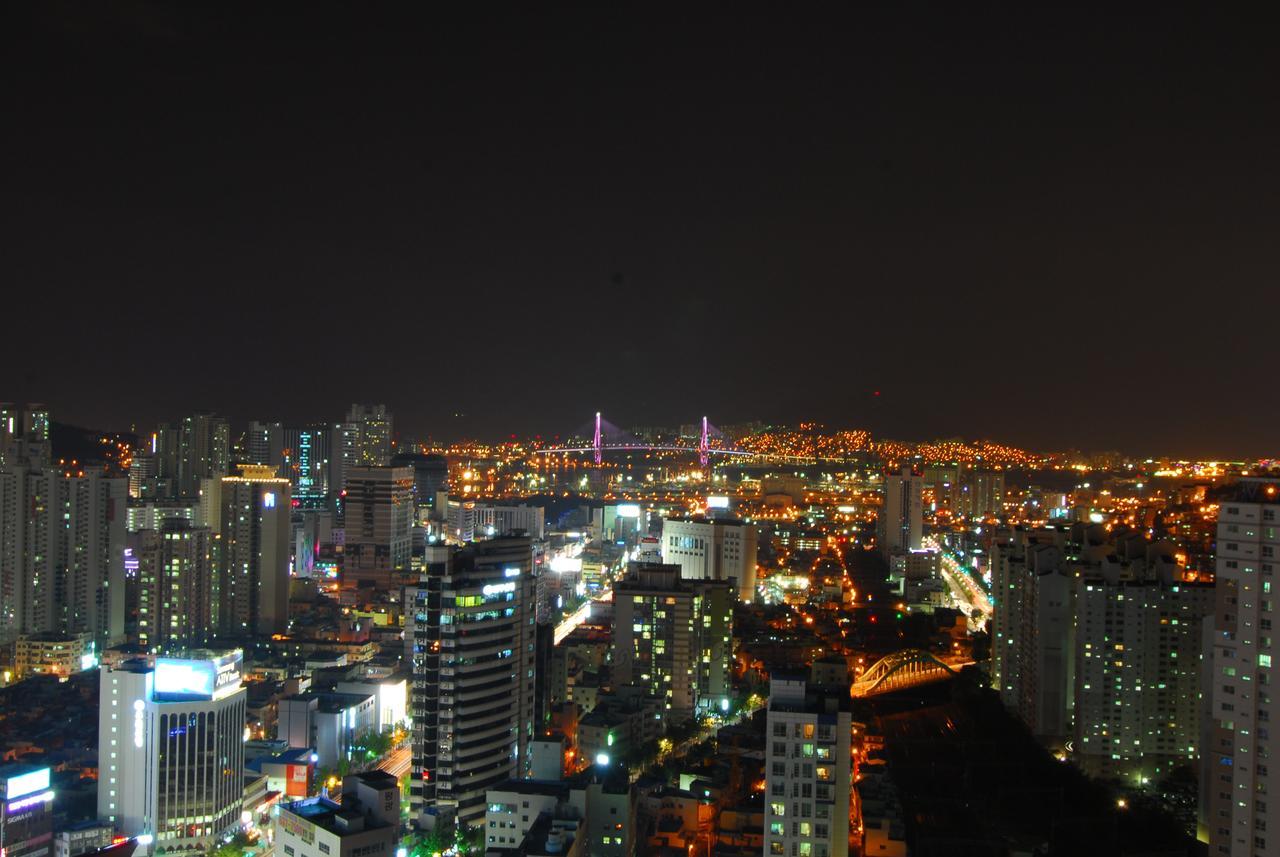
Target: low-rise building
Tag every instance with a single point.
(84, 837)
(26, 810)
(366, 823)
(328, 723)
(53, 654)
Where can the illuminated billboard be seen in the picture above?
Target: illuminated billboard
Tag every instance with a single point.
(562, 564)
(717, 502)
(628, 510)
(184, 679)
(25, 784)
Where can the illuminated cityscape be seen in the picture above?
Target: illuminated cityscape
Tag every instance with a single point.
(526, 430)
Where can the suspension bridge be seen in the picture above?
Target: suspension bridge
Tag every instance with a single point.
(606, 437)
(905, 669)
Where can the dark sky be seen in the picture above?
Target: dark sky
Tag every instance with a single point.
(1043, 227)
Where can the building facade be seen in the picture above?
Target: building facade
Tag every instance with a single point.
(171, 750)
(378, 518)
(470, 625)
(1033, 629)
(365, 822)
(26, 811)
(175, 586)
(251, 515)
(808, 771)
(53, 654)
(1242, 817)
(62, 553)
(712, 549)
(900, 526)
(673, 637)
(190, 451)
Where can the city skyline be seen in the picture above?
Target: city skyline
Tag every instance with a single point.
(611, 431)
(986, 217)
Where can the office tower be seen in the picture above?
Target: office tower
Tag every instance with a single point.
(371, 444)
(365, 822)
(1032, 629)
(430, 477)
(61, 553)
(263, 443)
(981, 493)
(26, 810)
(196, 448)
(171, 749)
(378, 520)
(1138, 639)
(901, 520)
(298, 453)
(468, 520)
(143, 481)
(305, 463)
(1243, 816)
(706, 549)
(808, 770)
(673, 637)
(24, 435)
(470, 621)
(250, 512)
(175, 586)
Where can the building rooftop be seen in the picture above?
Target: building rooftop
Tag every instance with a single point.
(1254, 489)
(336, 818)
(330, 702)
(547, 788)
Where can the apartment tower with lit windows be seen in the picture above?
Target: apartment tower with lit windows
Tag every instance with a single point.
(1242, 816)
(808, 770)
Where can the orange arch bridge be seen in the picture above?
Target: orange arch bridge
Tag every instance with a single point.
(903, 669)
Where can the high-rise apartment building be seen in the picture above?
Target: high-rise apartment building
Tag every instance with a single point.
(673, 636)
(263, 443)
(175, 586)
(24, 435)
(1032, 628)
(712, 549)
(62, 538)
(808, 771)
(371, 443)
(1137, 665)
(171, 750)
(470, 624)
(901, 522)
(981, 493)
(1096, 641)
(378, 519)
(186, 453)
(251, 514)
(1241, 797)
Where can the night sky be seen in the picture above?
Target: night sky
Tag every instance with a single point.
(1039, 227)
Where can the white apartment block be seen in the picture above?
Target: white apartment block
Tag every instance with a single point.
(807, 772)
(1242, 816)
